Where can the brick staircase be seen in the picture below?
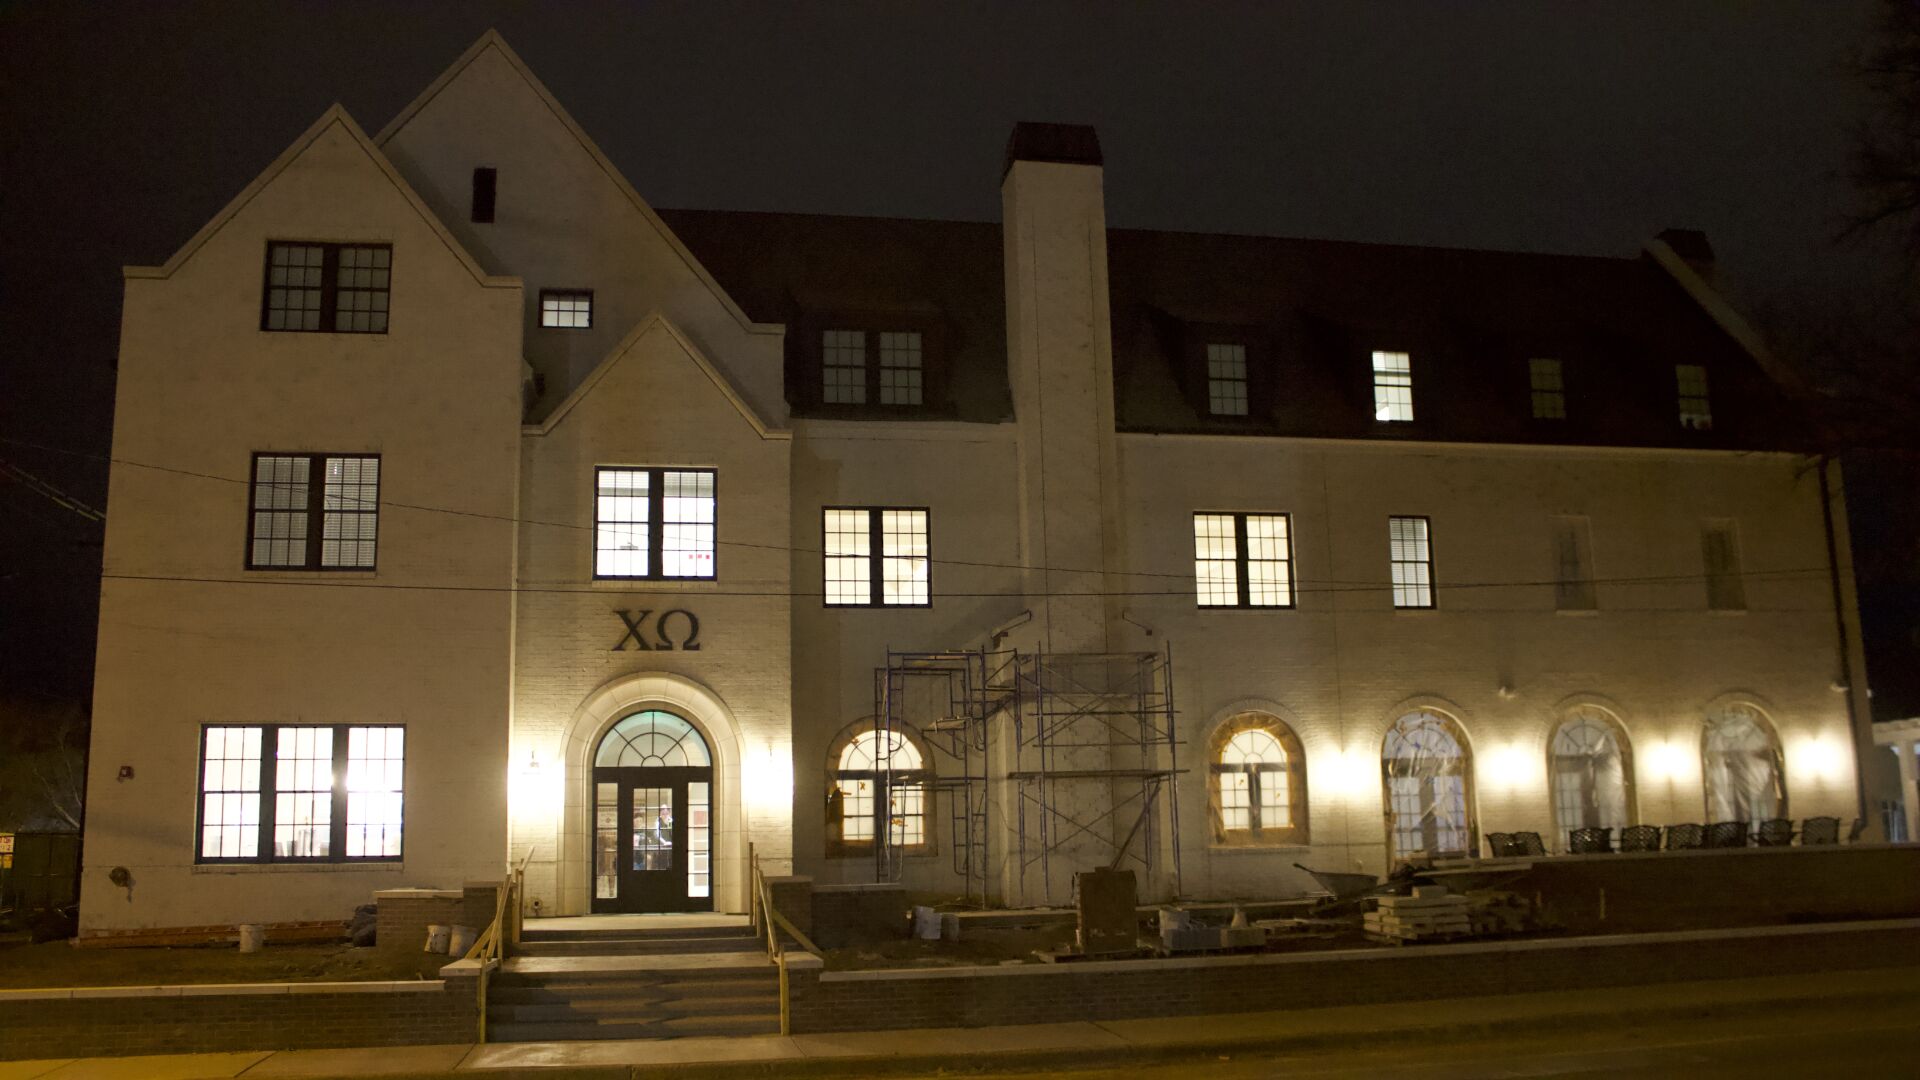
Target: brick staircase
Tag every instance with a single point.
(634, 984)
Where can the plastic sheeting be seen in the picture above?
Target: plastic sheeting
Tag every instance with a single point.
(1591, 772)
(1428, 779)
(1743, 773)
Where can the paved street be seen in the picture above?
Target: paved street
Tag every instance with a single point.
(1816, 1048)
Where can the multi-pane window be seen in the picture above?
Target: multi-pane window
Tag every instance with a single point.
(566, 309)
(1227, 379)
(1429, 778)
(843, 365)
(1592, 771)
(1410, 552)
(1259, 782)
(327, 288)
(1696, 408)
(272, 793)
(296, 523)
(884, 367)
(1243, 560)
(879, 789)
(653, 523)
(900, 368)
(1549, 389)
(876, 556)
(1720, 551)
(1392, 386)
(1573, 585)
(1741, 767)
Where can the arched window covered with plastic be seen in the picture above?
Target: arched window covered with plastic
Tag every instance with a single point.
(1428, 768)
(1590, 764)
(1740, 766)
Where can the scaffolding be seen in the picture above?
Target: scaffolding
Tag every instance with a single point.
(1079, 749)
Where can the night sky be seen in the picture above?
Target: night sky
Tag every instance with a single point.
(1547, 126)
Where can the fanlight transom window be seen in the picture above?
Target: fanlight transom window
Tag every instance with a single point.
(1429, 786)
(1740, 760)
(879, 783)
(653, 739)
(1592, 770)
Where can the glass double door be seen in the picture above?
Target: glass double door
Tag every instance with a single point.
(653, 839)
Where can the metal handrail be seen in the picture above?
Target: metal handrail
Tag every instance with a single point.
(493, 945)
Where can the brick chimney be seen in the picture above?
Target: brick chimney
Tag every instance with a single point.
(1060, 363)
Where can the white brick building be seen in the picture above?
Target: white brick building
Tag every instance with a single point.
(422, 424)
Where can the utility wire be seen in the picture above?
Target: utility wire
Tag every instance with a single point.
(49, 492)
(1300, 585)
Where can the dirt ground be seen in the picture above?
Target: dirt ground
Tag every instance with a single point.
(57, 964)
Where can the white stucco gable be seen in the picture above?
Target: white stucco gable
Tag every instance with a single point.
(565, 218)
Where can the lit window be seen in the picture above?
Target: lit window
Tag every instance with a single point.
(1573, 586)
(900, 368)
(286, 505)
(876, 556)
(843, 362)
(1259, 782)
(566, 309)
(879, 789)
(1549, 390)
(654, 523)
(1592, 772)
(1696, 409)
(1429, 776)
(1720, 551)
(1740, 761)
(1411, 556)
(1227, 380)
(1392, 386)
(327, 288)
(336, 793)
(1243, 560)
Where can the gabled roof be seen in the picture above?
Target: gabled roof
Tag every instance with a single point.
(336, 115)
(492, 41)
(616, 354)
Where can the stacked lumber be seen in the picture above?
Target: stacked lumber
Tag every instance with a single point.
(1500, 913)
(1431, 913)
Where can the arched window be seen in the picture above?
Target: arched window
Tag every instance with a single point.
(1740, 764)
(652, 739)
(1259, 789)
(1429, 774)
(879, 782)
(1591, 766)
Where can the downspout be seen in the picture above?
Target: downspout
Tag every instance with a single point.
(1840, 636)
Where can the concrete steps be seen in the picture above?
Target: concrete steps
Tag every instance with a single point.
(629, 983)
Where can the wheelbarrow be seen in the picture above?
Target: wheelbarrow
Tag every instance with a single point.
(1343, 888)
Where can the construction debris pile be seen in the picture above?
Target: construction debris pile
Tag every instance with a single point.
(1432, 913)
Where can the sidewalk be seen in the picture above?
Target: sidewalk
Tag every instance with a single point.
(1035, 1046)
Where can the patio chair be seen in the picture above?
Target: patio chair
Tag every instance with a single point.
(1528, 843)
(1859, 826)
(1590, 841)
(1727, 834)
(1499, 845)
(1774, 832)
(1820, 831)
(1640, 838)
(1686, 837)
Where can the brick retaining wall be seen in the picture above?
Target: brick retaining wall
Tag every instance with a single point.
(844, 914)
(108, 1021)
(1113, 990)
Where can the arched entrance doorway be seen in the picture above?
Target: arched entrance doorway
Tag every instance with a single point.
(652, 816)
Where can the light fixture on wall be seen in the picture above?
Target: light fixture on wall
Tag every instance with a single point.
(1668, 761)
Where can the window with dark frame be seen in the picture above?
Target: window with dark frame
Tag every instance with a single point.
(1393, 387)
(876, 556)
(1411, 554)
(1227, 379)
(654, 523)
(296, 523)
(301, 793)
(883, 367)
(1243, 560)
(879, 781)
(484, 186)
(326, 288)
(1549, 389)
(1696, 406)
(566, 309)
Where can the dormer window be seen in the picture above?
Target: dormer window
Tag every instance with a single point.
(1392, 387)
(566, 309)
(1227, 382)
(873, 367)
(1696, 408)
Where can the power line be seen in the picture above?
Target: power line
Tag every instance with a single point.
(48, 491)
(1300, 585)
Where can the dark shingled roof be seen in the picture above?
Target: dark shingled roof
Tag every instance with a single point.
(1309, 311)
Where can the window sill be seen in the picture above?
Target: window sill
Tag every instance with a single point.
(1258, 849)
(1577, 613)
(1417, 612)
(656, 584)
(1727, 611)
(376, 866)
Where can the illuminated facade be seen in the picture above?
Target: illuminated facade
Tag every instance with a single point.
(467, 508)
